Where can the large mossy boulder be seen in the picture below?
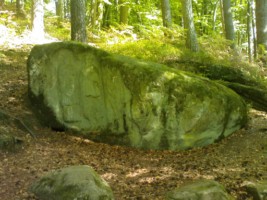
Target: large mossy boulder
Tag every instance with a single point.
(120, 100)
(74, 182)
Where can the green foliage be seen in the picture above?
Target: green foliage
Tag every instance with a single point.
(155, 47)
(146, 15)
(143, 42)
(152, 50)
(58, 30)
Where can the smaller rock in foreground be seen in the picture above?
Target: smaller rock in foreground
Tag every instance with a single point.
(75, 182)
(257, 190)
(201, 190)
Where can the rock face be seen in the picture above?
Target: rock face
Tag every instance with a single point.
(120, 100)
(201, 190)
(75, 182)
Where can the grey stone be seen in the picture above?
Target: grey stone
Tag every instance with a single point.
(72, 183)
(257, 190)
(120, 100)
(200, 190)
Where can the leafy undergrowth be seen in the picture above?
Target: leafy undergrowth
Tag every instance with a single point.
(131, 173)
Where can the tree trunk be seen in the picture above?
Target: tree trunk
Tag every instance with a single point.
(214, 14)
(60, 11)
(191, 37)
(261, 22)
(249, 30)
(97, 14)
(93, 12)
(253, 23)
(204, 21)
(38, 19)
(106, 15)
(222, 17)
(78, 25)
(66, 8)
(20, 9)
(166, 13)
(124, 10)
(2, 3)
(228, 20)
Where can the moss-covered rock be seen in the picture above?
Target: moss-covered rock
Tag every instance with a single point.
(75, 182)
(200, 190)
(8, 141)
(249, 85)
(257, 190)
(121, 100)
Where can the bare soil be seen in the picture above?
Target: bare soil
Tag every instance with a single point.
(131, 173)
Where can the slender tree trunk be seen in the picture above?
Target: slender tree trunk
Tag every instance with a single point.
(191, 37)
(97, 13)
(222, 16)
(249, 30)
(20, 9)
(214, 15)
(38, 19)
(2, 3)
(93, 12)
(106, 15)
(124, 10)
(261, 23)
(100, 14)
(166, 13)
(115, 14)
(204, 12)
(66, 8)
(228, 20)
(254, 30)
(78, 25)
(60, 11)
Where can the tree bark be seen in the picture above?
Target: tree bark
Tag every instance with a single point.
(97, 14)
(124, 10)
(20, 9)
(166, 13)
(214, 14)
(2, 3)
(60, 11)
(261, 22)
(106, 15)
(66, 8)
(228, 20)
(78, 26)
(191, 36)
(204, 21)
(249, 30)
(38, 19)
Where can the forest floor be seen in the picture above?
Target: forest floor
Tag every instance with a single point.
(131, 173)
